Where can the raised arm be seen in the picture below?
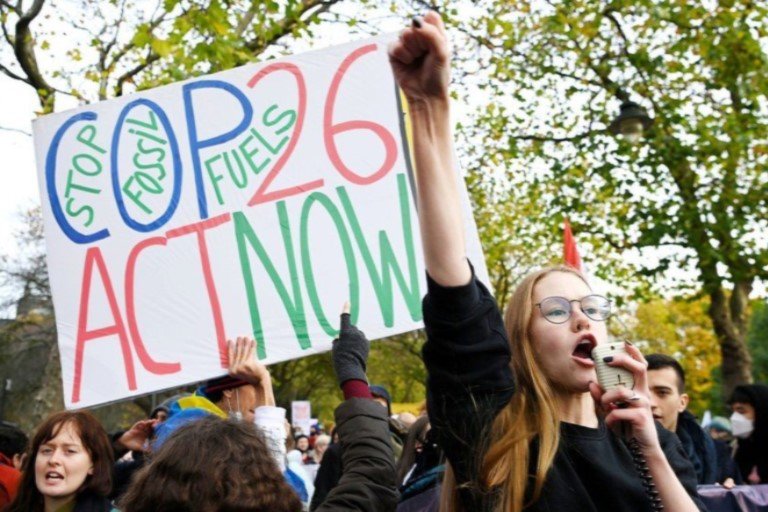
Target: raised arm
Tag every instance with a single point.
(420, 60)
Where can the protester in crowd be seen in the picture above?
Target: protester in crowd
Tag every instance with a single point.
(301, 443)
(397, 431)
(179, 478)
(13, 446)
(321, 445)
(711, 460)
(406, 419)
(523, 429)
(720, 429)
(420, 470)
(749, 423)
(329, 471)
(69, 467)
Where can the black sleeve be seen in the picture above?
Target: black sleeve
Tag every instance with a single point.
(328, 474)
(682, 467)
(467, 357)
(368, 483)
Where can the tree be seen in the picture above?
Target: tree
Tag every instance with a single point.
(757, 341)
(551, 76)
(144, 44)
(681, 328)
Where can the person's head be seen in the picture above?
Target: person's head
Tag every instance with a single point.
(302, 443)
(407, 419)
(553, 320)
(720, 428)
(666, 380)
(321, 444)
(233, 396)
(381, 395)
(749, 404)
(13, 443)
(70, 454)
(210, 465)
(159, 413)
(414, 444)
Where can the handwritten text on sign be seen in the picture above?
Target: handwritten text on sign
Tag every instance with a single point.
(254, 201)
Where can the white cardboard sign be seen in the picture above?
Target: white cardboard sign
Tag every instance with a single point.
(255, 201)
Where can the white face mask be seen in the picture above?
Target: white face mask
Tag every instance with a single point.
(742, 426)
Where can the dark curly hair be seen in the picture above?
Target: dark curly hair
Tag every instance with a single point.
(211, 465)
(96, 443)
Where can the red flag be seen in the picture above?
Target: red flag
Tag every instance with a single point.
(570, 251)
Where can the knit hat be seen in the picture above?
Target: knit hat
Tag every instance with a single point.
(381, 392)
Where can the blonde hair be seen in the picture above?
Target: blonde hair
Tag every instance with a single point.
(532, 412)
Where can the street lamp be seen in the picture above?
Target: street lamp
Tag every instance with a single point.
(631, 122)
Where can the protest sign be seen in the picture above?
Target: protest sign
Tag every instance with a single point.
(255, 201)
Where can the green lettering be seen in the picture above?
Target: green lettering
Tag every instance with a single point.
(382, 278)
(292, 301)
(349, 259)
(215, 178)
(248, 155)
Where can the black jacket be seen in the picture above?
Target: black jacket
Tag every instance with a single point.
(368, 482)
(467, 357)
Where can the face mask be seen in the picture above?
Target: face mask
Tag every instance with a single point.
(741, 426)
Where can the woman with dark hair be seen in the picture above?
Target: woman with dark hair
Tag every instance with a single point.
(749, 423)
(69, 467)
(211, 464)
(420, 469)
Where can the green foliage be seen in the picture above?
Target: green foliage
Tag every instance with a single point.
(682, 329)
(557, 72)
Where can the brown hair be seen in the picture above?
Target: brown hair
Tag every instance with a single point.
(211, 465)
(531, 413)
(415, 434)
(94, 440)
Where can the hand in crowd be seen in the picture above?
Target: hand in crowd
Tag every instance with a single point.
(350, 351)
(244, 365)
(632, 406)
(135, 438)
(420, 59)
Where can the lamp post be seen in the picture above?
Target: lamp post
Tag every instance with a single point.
(631, 122)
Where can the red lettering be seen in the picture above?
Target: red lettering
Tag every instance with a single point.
(261, 195)
(199, 229)
(93, 256)
(130, 311)
(331, 130)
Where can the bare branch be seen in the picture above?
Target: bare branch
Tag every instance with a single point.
(543, 138)
(17, 130)
(24, 49)
(128, 75)
(14, 8)
(286, 25)
(14, 75)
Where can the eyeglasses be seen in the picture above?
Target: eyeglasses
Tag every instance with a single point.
(558, 309)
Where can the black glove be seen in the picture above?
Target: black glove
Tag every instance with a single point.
(350, 352)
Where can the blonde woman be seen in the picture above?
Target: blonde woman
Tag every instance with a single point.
(513, 401)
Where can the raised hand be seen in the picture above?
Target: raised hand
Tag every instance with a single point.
(135, 438)
(350, 351)
(243, 365)
(420, 59)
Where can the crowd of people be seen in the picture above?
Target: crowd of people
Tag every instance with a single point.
(514, 418)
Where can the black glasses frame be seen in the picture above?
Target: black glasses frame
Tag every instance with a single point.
(581, 306)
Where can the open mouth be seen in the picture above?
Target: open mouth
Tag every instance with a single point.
(53, 476)
(583, 350)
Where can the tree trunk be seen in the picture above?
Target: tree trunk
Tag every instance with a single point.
(729, 318)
